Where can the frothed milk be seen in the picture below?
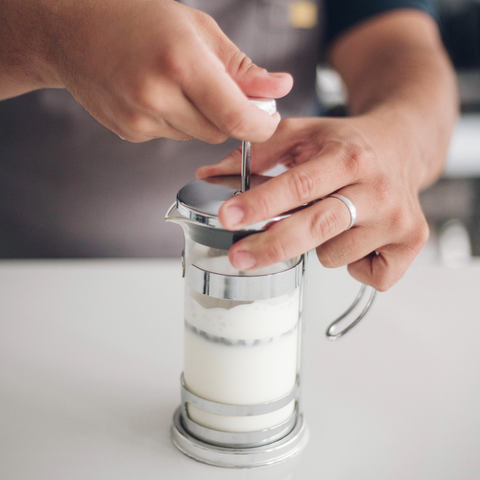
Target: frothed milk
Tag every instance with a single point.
(242, 353)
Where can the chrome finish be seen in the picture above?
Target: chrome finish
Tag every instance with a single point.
(360, 295)
(200, 200)
(350, 206)
(169, 217)
(239, 439)
(246, 166)
(264, 455)
(268, 105)
(237, 410)
(242, 287)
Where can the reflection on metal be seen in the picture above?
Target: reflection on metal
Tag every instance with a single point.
(272, 453)
(240, 287)
(234, 440)
(246, 165)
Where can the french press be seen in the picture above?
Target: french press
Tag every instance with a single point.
(240, 388)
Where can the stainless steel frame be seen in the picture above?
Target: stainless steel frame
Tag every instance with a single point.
(248, 288)
(275, 452)
(237, 410)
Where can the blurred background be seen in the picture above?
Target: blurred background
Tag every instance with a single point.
(452, 205)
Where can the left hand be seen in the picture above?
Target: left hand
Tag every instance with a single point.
(364, 158)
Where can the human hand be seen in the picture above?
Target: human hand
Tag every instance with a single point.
(361, 158)
(147, 68)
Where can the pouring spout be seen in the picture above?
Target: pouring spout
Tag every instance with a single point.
(180, 220)
(171, 217)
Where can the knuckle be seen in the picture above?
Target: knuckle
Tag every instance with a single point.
(327, 257)
(136, 124)
(384, 191)
(419, 236)
(240, 63)
(263, 205)
(355, 158)
(173, 64)
(276, 251)
(302, 185)
(205, 20)
(216, 137)
(383, 282)
(411, 225)
(424, 234)
(235, 125)
(141, 96)
(323, 226)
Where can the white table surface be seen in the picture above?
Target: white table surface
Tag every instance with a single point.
(91, 354)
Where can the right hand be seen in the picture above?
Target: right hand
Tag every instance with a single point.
(156, 68)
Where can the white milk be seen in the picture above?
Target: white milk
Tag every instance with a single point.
(242, 353)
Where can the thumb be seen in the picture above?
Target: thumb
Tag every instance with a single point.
(253, 80)
(257, 82)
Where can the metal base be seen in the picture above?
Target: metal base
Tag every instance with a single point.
(269, 454)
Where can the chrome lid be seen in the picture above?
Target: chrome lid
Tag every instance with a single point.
(200, 201)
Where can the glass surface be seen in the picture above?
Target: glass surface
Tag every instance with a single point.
(239, 352)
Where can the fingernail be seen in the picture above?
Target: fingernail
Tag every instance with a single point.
(235, 215)
(277, 74)
(243, 260)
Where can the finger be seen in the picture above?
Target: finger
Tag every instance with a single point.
(384, 267)
(231, 165)
(217, 96)
(325, 173)
(162, 110)
(254, 81)
(138, 127)
(183, 116)
(280, 149)
(395, 247)
(291, 236)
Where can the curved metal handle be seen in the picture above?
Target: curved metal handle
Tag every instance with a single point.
(360, 295)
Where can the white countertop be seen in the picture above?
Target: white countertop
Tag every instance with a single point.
(91, 355)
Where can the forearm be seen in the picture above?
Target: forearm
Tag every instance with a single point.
(23, 48)
(396, 71)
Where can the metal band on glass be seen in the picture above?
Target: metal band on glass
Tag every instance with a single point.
(242, 439)
(234, 439)
(237, 410)
(243, 287)
(268, 454)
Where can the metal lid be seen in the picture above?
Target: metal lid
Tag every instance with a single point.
(201, 200)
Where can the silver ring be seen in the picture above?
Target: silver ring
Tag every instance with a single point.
(350, 206)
